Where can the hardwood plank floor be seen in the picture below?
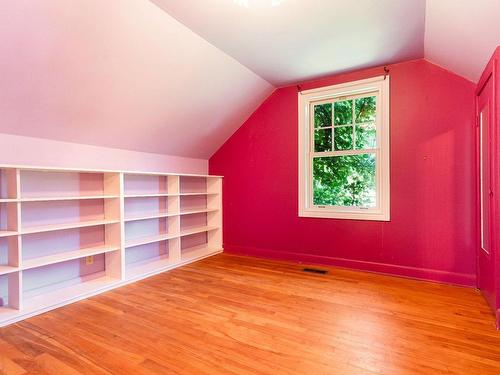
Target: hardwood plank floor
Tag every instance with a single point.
(241, 316)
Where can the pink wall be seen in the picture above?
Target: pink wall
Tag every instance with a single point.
(20, 150)
(431, 232)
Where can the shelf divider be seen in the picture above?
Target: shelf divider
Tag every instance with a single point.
(174, 222)
(15, 245)
(114, 234)
(214, 217)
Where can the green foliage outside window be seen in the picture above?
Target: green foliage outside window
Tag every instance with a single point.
(323, 140)
(343, 138)
(343, 112)
(345, 180)
(323, 115)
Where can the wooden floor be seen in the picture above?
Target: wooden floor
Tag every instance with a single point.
(234, 315)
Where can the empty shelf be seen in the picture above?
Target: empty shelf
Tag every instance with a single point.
(199, 251)
(8, 269)
(148, 216)
(164, 214)
(150, 239)
(150, 195)
(167, 236)
(7, 313)
(68, 293)
(71, 198)
(197, 193)
(187, 232)
(54, 227)
(69, 255)
(147, 266)
(6, 233)
(201, 211)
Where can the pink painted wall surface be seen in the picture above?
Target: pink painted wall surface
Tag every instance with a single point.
(432, 227)
(22, 150)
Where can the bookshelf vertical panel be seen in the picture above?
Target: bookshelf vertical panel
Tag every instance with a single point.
(15, 290)
(9, 183)
(174, 224)
(14, 243)
(114, 261)
(214, 218)
(13, 251)
(114, 233)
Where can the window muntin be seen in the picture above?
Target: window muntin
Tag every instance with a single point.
(344, 148)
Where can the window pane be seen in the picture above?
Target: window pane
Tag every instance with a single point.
(366, 136)
(343, 138)
(344, 180)
(323, 115)
(366, 109)
(323, 140)
(343, 112)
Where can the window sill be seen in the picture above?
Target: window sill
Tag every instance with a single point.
(371, 216)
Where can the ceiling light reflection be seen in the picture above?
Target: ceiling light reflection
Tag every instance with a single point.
(250, 3)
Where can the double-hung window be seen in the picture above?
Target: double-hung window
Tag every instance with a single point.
(344, 151)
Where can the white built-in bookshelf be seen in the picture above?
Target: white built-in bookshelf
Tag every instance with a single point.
(69, 234)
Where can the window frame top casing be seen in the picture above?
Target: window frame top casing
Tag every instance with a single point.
(378, 85)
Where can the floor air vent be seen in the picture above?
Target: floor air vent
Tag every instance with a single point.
(315, 270)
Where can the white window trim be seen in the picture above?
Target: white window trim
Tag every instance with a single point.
(305, 98)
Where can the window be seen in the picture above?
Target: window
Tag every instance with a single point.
(344, 151)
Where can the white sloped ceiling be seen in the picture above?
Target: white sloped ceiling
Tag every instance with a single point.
(297, 39)
(127, 74)
(461, 35)
(121, 74)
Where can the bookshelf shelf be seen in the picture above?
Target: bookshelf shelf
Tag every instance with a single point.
(7, 200)
(195, 194)
(70, 293)
(56, 227)
(193, 212)
(67, 234)
(4, 270)
(149, 239)
(65, 256)
(7, 233)
(149, 216)
(148, 266)
(73, 198)
(188, 232)
(150, 195)
(166, 214)
(195, 252)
